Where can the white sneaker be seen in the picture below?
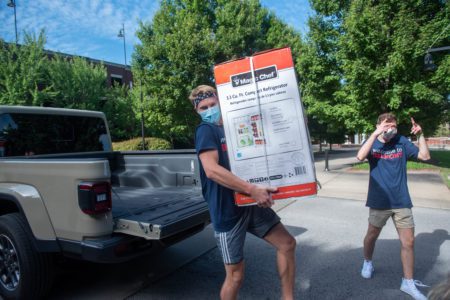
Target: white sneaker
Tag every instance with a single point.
(367, 269)
(409, 286)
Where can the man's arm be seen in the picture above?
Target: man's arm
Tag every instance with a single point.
(217, 173)
(365, 149)
(424, 152)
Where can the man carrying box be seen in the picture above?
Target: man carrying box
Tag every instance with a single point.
(230, 221)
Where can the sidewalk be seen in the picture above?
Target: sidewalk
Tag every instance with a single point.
(426, 187)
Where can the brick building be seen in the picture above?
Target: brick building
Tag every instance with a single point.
(116, 73)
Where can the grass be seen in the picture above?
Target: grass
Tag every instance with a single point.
(441, 157)
(440, 161)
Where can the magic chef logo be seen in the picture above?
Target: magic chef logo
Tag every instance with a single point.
(260, 75)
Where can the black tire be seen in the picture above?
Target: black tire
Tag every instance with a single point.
(24, 272)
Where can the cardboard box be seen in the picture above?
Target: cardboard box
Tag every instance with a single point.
(267, 138)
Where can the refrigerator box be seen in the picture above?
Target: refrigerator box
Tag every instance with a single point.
(267, 137)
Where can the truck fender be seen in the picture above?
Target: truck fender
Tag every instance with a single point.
(26, 200)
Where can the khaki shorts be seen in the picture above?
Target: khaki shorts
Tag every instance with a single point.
(402, 217)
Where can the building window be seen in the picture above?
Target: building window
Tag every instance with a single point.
(116, 79)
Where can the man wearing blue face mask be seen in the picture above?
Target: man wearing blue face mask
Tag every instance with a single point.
(231, 223)
(388, 195)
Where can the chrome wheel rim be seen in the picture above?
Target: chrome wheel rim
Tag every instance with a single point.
(9, 264)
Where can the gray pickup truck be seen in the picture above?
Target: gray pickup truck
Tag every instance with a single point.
(63, 191)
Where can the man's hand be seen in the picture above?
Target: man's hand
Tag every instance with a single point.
(383, 127)
(415, 129)
(222, 176)
(365, 149)
(424, 152)
(262, 195)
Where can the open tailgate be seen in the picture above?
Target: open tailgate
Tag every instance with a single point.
(158, 213)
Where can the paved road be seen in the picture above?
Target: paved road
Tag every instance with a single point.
(329, 233)
(329, 230)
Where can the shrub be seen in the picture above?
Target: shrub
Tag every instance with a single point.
(151, 143)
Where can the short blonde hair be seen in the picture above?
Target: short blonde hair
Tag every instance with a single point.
(201, 89)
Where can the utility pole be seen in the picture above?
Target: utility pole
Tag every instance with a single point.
(142, 116)
(12, 3)
(122, 35)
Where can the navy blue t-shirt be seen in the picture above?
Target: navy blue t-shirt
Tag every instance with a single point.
(224, 213)
(388, 183)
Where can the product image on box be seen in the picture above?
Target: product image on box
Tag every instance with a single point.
(267, 138)
(249, 131)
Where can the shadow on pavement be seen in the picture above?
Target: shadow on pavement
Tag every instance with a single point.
(203, 278)
(321, 273)
(337, 276)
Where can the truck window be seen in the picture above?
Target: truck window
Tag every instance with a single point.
(30, 134)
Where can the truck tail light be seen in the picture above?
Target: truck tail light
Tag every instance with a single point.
(94, 197)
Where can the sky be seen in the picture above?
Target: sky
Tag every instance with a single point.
(90, 27)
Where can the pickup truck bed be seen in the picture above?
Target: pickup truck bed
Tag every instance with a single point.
(157, 213)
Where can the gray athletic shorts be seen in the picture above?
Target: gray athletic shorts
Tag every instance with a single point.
(256, 220)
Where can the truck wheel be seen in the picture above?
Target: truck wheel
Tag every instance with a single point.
(24, 272)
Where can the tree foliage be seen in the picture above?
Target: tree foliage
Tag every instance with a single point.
(28, 76)
(22, 71)
(320, 79)
(117, 106)
(76, 83)
(382, 56)
(366, 57)
(180, 47)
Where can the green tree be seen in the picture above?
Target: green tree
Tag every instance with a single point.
(76, 83)
(180, 47)
(321, 75)
(29, 77)
(174, 53)
(366, 57)
(122, 120)
(381, 53)
(22, 71)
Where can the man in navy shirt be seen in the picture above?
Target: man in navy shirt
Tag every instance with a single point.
(388, 194)
(231, 223)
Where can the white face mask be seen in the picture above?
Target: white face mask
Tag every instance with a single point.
(390, 133)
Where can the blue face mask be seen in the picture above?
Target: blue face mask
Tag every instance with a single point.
(211, 115)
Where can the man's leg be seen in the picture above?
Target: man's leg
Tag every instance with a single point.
(406, 236)
(233, 281)
(285, 244)
(231, 245)
(377, 220)
(370, 240)
(408, 284)
(404, 222)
